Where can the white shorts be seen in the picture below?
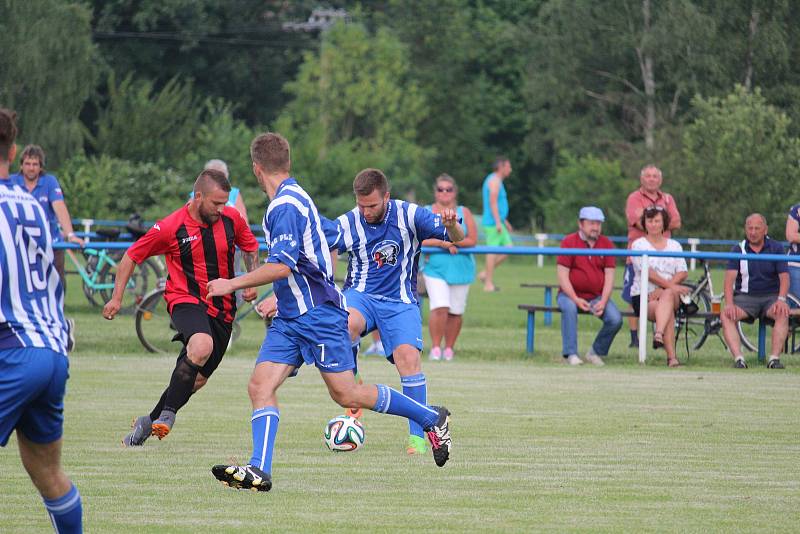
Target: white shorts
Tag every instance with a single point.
(443, 295)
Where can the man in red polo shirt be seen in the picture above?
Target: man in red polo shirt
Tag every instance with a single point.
(649, 194)
(586, 283)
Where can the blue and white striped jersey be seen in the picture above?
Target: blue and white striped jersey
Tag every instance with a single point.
(384, 257)
(300, 238)
(31, 295)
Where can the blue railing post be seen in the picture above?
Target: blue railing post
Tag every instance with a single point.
(548, 301)
(762, 341)
(531, 330)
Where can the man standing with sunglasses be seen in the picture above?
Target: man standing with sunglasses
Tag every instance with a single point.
(648, 194)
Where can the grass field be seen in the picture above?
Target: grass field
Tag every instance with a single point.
(538, 446)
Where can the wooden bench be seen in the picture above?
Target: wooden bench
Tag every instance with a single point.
(548, 297)
(533, 308)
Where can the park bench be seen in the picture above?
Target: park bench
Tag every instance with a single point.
(548, 297)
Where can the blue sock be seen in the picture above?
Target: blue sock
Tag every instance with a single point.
(66, 512)
(265, 427)
(393, 402)
(355, 348)
(415, 387)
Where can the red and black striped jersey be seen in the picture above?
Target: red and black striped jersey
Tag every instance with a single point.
(196, 253)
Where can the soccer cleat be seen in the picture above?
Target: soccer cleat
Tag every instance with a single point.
(243, 477)
(163, 424)
(775, 363)
(142, 428)
(740, 363)
(70, 335)
(416, 445)
(439, 436)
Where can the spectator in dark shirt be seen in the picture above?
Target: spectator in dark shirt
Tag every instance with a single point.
(756, 289)
(586, 283)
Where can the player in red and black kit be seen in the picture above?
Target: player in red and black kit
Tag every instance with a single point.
(198, 243)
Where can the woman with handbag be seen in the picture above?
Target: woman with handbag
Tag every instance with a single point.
(665, 278)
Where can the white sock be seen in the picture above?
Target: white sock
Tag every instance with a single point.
(774, 357)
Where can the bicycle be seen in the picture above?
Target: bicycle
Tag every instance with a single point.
(154, 327)
(698, 329)
(99, 273)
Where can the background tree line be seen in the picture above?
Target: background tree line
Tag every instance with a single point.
(130, 97)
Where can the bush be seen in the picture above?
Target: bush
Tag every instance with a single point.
(108, 188)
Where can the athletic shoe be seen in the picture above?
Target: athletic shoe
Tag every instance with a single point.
(243, 477)
(439, 436)
(163, 424)
(573, 359)
(435, 354)
(594, 359)
(740, 364)
(142, 428)
(416, 445)
(448, 354)
(70, 334)
(775, 363)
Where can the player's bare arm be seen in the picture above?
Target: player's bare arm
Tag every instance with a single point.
(266, 274)
(124, 271)
(250, 263)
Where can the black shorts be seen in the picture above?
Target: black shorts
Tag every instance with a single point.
(190, 319)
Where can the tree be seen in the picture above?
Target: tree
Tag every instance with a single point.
(739, 159)
(583, 181)
(49, 72)
(355, 106)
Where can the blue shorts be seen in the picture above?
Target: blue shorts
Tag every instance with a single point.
(627, 282)
(32, 386)
(397, 322)
(319, 336)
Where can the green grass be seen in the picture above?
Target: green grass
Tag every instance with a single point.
(538, 446)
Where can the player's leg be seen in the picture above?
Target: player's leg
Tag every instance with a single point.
(360, 320)
(61, 498)
(383, 399)
(278, 358)
(401, 327)
(200, 337)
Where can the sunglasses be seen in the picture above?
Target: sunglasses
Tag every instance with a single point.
(654, 209)
(445, 189)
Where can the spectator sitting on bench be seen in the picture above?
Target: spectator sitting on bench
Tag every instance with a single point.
(756, 290)
(664, 275)
(586, 283)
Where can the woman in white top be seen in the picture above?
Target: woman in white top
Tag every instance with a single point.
(665, 276)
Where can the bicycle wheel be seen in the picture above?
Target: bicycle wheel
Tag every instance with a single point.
(153, 325)
(145, 278)
(695, 327)
(748, 332)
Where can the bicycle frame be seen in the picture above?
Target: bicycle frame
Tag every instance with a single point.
(91, 279)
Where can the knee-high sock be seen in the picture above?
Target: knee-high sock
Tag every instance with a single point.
(160, 405)
(265, 427)
(355, 348)
(66, 512)
(181, 384)
(393, 402)
(415, 387)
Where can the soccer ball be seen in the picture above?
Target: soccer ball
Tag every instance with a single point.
(344, 433)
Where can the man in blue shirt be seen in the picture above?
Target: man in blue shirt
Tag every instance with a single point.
(33, 342)
(756, 289)
(311, 322)
(384, 237)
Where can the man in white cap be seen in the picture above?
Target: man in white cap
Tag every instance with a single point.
(586, 283)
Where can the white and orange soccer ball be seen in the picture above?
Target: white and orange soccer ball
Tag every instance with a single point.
(344, 433)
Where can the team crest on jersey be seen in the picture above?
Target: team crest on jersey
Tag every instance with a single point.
(385, 253)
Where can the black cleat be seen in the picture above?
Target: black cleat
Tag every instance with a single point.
(243, 477)
(142, 428)
(775, 363)
(439, 436)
